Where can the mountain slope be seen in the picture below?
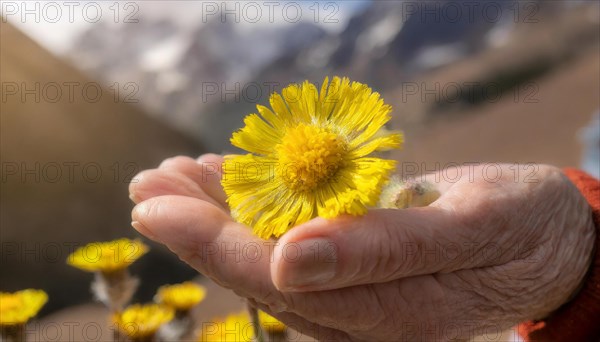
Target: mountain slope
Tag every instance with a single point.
(66, 164)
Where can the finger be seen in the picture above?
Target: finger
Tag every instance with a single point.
(378, 247)
(156, 182)
(205, 237)
(450, 234)
(206, 172)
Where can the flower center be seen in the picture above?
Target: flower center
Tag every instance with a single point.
(309, 155)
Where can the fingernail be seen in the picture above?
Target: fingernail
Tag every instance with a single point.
(142, 229)
(134, 198)
(310, 262)
(137, 178)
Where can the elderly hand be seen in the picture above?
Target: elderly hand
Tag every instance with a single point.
(489, 253)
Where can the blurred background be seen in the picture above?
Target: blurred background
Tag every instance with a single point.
(95, 91)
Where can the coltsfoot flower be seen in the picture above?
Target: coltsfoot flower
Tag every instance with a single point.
(181, 297)
(311, 155)
(234, 328)
(16, 309)
(19, 307)
(141, 322)
(112, 285)
(107, 257)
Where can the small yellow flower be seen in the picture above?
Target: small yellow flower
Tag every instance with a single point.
(181, 297)
(234, 328)
(140, 322)
(19, 307)
(107, 257)
(311, 155)
(270, 323)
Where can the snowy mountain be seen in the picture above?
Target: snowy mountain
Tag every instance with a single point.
(203, 76)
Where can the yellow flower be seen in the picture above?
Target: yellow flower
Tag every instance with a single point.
(309, 156)
(107, 257)
(19, 307)
(182, 296)
(234, 328)
(142, 321)
(270, 323)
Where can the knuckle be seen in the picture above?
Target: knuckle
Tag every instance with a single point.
(174, 161)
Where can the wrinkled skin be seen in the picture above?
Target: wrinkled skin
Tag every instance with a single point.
(488, 254)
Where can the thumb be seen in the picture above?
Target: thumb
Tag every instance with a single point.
(383, 245)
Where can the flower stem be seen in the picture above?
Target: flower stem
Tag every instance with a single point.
(258, 334)
(13, 333)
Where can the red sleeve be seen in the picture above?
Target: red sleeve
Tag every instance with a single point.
(578, 320)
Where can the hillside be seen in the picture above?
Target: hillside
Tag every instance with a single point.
(543, 129)
(66, 164)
